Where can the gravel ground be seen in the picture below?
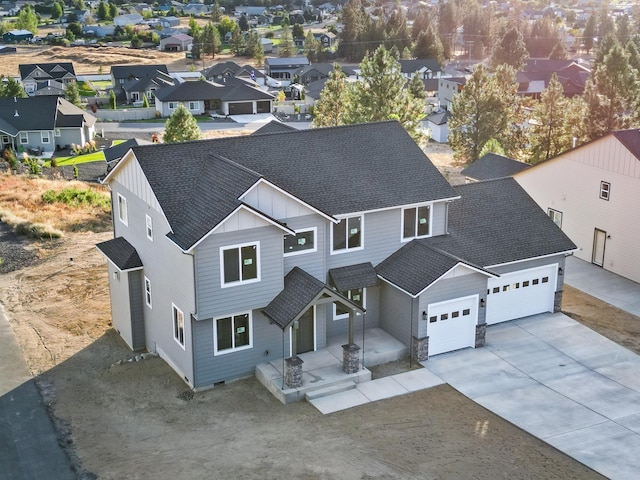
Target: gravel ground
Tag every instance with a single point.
(16, 251)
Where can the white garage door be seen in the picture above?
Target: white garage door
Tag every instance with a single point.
(451, 325)
(520, 294)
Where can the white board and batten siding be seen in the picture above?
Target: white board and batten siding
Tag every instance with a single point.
(570, 184)
(132, 178)
(269, 200)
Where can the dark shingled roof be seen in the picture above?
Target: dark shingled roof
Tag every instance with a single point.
(411, 66)
(137, 71)
(630, 139)
(497, 222)
(300, 291)
(44, 112)
(416, 266)
(274, 126)
(361, 275)
(336, 170)
(439, 118)
(492, 166)
(121, 253)
(54, 70)
(229, 90)
(116, 152)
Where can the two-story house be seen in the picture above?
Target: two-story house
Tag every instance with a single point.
(34, 76)
(237, 251)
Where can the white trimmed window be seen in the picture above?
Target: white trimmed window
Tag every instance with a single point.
(416, 222)
(149, 227)
(356, 295)
(347, 235)
(232, 333)
(193, 106)
(135, 96)
(147, 291)
(605, 190)
(240, 264)
(178, 325)
(122, 210)
(57, 132)
(44, 136)
(24, 138)
(173, 105)
(304, 241)
(556, 216)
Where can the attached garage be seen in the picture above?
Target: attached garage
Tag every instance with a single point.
(240, 108)
(264, 106)
(451, 325)
(521, 294)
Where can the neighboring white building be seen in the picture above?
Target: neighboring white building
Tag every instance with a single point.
(593, 192)
(128, 19)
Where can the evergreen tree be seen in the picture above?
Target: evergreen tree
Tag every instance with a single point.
(11, 88)
(397, 30)
(113, 10)
(422, 21)
(542, 37)
(547, 127)
(333, 105)
(27, 20)
(355, 23)
(243, 23)
(510, 50)
(145, 101)
(210, 39)
(72, 94)
(590, 32)
(286, 48)
(559, 52)
(623, 29)
(181, 126)
(476, 116)
(112, 100)
(216, 12)
(254, 47)
(610, 94)
(103, 11)
(237, 43)
(381, 94)
(312, 48)
(428, 45)
(513, 136)
(447, 26)
(492, 146)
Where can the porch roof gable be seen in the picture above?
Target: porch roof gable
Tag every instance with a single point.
(121, 253)
(346, 278)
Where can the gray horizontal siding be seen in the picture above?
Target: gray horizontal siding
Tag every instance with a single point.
(136, 297)
(538, 262)
(213, 300)
(396, 311)
(341, 327)
(312, 263)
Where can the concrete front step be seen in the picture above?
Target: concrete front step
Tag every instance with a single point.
(330, 390)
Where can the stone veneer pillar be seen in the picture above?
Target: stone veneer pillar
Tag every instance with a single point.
(481, 332)
(557, 301)
(420, 348)
(293, 372)
(350, 358)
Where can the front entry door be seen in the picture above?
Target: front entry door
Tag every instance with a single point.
(599, 240)
(305, 333)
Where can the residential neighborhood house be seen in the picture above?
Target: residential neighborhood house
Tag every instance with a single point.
(592, 192)
(263, 247)
(131, 82)
(35, 76)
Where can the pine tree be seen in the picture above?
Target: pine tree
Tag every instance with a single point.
(72, 94)
(181, 126)
(476, 116)
(312, 47)
(547, 125)
(254, 47)
(286, 48)
(331, 109)
(559, 52)
(11, 88)
(210, 39)
(355, 22)
(590, 32)
(216, 12)
(428, 45)
(237, 43)
(103, 11)
(510, 50)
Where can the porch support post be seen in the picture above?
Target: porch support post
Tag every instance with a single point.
(350, 358)
(352, 317)
(293, 372)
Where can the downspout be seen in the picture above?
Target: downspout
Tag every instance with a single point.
(363, 324)
(195, 300)
(282, 388)
(411, 337)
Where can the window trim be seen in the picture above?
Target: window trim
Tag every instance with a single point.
(147, 292)
(348, 295)
(310, 250)
(233, 349)
(605, 190)
(239, 246)
(416, 207)
(196, 106)
(149, 227)
(122, 201)
(24, 138)
(57, 132)
(551, 212)
(45, 137)
(174, 317)
(347, 249)
(173, 105)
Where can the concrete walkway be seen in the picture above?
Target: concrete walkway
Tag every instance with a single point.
(559, 381)
(28, 443)
(600, 283)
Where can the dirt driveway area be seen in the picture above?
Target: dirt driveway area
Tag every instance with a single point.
(122, 418)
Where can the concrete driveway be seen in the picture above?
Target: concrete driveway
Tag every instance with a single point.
(559, 381)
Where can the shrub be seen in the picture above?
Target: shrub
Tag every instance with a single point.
(75, 196)
(37, 230)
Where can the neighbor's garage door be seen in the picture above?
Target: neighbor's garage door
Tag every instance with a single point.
(238, 108)
(451, 325)
(264, 106)
(520, 294)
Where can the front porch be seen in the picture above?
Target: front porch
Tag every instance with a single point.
(322, 370)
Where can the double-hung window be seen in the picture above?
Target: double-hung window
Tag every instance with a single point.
(149, 227)
(556, 216)
(24, 138)
(193, 106)
(44, 137)
(605, 190)
(347, 235)
(416, 222)
(240, 264)
(178, 325)
(232, 333)
(356, 295)
(304, 241)
(173, 105)
(147, 291)
(122, 210)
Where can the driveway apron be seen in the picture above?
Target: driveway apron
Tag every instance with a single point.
(559, 381)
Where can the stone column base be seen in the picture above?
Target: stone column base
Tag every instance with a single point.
(481, 332)
(557, 301)
(350, 358)
(420, 348)
(293, 372)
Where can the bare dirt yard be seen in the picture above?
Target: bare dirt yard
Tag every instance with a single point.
(122, 416)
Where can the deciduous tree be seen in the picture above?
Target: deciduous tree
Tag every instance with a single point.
(27, 20)
(11, 88)
(181, 126)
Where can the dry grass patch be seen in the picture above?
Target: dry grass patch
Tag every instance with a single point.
(21, 201)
